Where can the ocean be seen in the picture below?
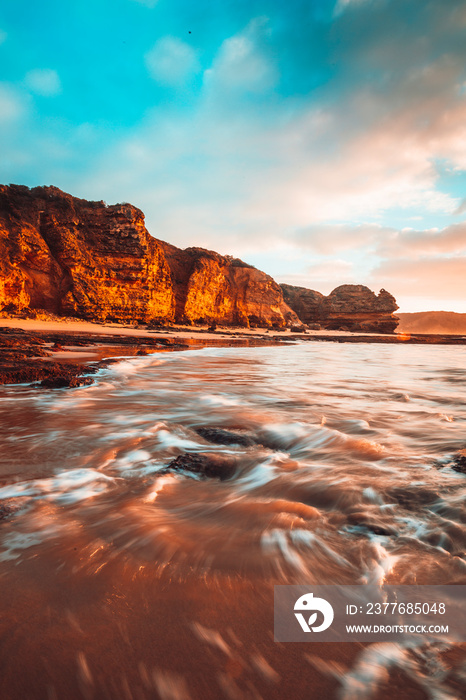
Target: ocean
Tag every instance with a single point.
(120, 578)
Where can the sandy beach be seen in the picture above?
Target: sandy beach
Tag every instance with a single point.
(66, 326)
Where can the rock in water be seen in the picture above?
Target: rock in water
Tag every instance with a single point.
(225, 437)
(209, 465)
(459, 462)
(65, 382)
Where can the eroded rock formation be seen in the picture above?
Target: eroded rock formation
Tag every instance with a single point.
(86, 259)
(305, 302)
(352, 307)
(79, 258)
(210, 287)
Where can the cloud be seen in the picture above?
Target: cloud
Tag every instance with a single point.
(254, 174)
(430, 277)
(329, 274)
(450, 240)
(241, 64)
(172, 61)
(336, 238)
(12, 104)
(383, 241)
(322, 276)
(461, 209)
(43, 81)
(343, 5)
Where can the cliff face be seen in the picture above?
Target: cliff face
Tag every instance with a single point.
(350, 306)
(98, 262)
(305, 302)
(79, 258)
(211, 287)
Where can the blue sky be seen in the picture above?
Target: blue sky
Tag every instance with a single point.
(322, 141)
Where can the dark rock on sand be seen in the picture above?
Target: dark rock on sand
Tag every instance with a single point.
(219, 436)
(20, 353)
(211, 466)
(20, 371)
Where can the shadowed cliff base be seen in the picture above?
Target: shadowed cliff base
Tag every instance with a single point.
(73, 257)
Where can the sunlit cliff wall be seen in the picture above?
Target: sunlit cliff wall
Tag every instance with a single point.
(86, 259)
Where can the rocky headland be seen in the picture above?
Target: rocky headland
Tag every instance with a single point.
(76, 258)
(88, 260)
(350, 307)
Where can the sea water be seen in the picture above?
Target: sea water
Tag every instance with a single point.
(122, 579)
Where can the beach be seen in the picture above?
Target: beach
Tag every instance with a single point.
(66, 353)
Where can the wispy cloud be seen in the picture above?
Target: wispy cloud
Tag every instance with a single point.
(241, 65)
(43, 81)
(12, 104)
(172, 61)
(430, 277)
(343, 5)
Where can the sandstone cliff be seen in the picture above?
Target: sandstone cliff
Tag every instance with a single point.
(211, 287)
(351, 306)
(98, 262)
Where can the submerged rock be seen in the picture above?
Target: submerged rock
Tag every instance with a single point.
(218, 436)
(459, 463)
(372, 525)
(65, 382)
(210, 466)
(9, 507)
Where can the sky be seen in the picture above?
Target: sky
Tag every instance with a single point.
(323, 141)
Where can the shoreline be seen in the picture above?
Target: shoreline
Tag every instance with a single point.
(57, 356)
(61, 354)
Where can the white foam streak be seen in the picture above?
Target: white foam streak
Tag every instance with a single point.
(65, 488)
